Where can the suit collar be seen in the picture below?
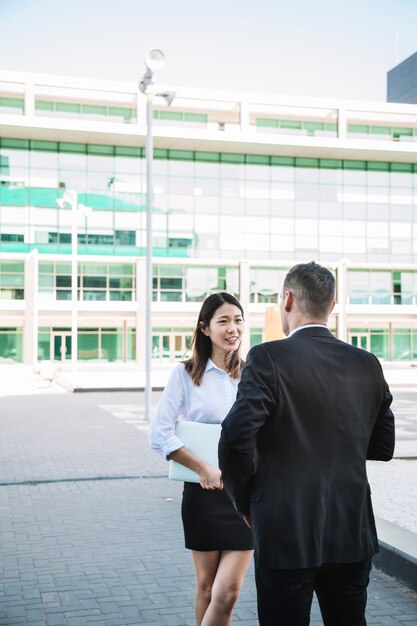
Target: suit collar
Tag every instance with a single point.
(312, 331)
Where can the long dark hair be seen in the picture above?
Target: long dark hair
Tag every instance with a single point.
(201, 344)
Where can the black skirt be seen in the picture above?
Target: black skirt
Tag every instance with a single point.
(211, 522)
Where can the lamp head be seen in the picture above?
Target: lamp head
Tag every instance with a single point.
(154, 59)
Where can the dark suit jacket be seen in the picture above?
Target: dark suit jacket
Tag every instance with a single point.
(309, 411)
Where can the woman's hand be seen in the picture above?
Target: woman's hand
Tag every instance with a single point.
(210, 477)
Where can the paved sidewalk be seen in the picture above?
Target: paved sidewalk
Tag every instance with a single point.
(90, 525)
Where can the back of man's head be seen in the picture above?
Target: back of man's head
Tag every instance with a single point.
(313, 287)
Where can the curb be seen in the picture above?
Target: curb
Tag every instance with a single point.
(105, 389)
(397, 555)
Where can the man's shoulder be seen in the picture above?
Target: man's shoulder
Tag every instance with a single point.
(270, 347)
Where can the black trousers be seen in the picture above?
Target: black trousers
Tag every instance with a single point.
(285, 596)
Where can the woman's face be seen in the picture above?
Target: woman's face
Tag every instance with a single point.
(225, 329)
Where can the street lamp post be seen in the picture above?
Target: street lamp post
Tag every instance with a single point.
(70, 198)
(154, 60)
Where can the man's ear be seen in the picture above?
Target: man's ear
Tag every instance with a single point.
(332, 306)
(288, 301)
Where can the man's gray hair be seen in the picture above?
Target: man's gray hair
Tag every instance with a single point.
(313, 287)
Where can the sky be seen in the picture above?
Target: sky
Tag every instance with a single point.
(316, 48)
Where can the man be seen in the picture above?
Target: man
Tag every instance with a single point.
(309, 411)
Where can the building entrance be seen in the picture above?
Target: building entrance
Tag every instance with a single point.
(361, 340)
(170, 346)
(61, 347)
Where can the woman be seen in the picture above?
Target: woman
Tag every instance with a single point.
(203, 389)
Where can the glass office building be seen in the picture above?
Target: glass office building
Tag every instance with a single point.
(244, 186)
(402, 81)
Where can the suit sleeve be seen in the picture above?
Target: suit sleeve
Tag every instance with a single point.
(382, 440)
(256, 400)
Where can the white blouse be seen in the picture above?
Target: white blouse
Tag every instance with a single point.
(209, 402)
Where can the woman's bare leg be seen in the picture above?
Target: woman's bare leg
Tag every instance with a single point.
(205, 565)
(231, 570)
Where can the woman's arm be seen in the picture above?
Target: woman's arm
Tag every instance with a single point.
(210, 477)
(162, 437)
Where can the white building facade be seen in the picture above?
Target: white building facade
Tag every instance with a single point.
(244, 186)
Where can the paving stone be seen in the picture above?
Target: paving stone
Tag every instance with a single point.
(109, 552)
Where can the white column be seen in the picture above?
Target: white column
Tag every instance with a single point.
(341, 274)
(244, 116)
(30, 326)
(341, 124)
(74, 289)
(140, 313)
(29, 99)
(244, 282)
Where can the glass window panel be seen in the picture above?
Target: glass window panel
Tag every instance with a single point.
(282, 243)
(69, 161)
(121, 296)
(120, 283)
(229, 171)
(306, 209)
(206, 224)
(208, 205)
(171, 296)
(380, 285)
(330, 244)
(380, 179)
(14, 215)
(255, 241)
(46, 282)
(232, 206)
(354, 246)
(400, 230)
(128, 165)
(305, 227)
(256, 224)
(330, 227)
(87, 346)
(94, 268)
(199, 281)
(232, 280)
(11, 345)
(125, 269)
(171, 283)
(257, 207)
(170, 270)
(377, 229)
(63, 268)
(63, 294)
(63, 281)
(112, 346)
(257, 172)
(358, 287)
(12, 280)
(94, 295)
(44, 346)
(71, 179)
(281, 225)
(47, 217)
(96, 282)
(379, 345)
(180, 222)
(14, 158)
(401, 345)
(282, 174)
